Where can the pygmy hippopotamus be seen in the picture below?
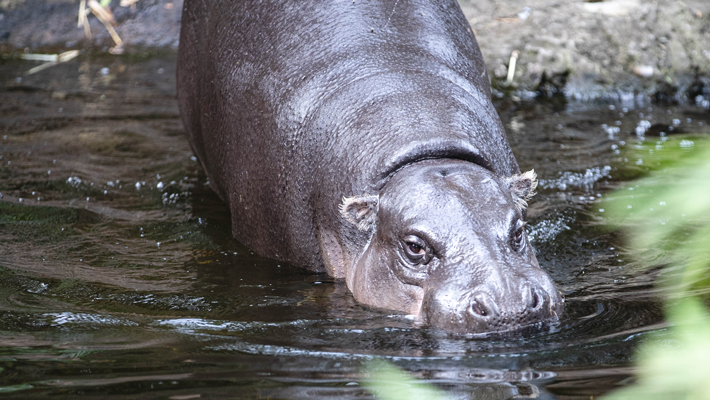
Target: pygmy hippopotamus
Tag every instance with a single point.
(358, 138)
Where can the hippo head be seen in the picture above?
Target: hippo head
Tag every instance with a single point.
(448, 244)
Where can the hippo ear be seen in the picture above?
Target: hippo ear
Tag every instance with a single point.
(522, 186)
(361, 210)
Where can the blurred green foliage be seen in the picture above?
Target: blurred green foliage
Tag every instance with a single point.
(667, 212)
(388, 382)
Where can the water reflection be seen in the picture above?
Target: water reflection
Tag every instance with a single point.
(119, 276)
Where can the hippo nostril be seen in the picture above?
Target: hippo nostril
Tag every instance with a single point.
(535, 299)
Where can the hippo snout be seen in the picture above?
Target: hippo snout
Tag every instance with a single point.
(483, 310)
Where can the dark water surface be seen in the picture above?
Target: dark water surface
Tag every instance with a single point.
(119, 277)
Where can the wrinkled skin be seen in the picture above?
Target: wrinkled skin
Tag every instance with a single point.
(322, 123)
(460, 261)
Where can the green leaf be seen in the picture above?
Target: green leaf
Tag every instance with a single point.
(668, 212)
(388, 382)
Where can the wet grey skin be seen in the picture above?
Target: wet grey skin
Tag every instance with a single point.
(325, 127)
(449, 245)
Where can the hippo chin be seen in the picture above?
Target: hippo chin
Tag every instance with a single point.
(359, 138)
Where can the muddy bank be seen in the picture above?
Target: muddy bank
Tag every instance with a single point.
(37, 24)
(597, 48)
(616, 48)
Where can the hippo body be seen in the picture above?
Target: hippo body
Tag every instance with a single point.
(311, 117)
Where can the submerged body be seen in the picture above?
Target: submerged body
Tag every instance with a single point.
(291, 106)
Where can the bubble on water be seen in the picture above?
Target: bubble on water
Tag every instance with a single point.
(583, 181)
(39, 287)
(170, 199)
(74, 181)
(686, 144)
(547, 230)
(85, 318)
(611, 130)
(642, 127)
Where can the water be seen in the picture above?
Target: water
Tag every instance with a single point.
(119, 277)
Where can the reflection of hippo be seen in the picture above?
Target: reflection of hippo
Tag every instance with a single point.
(358, 137)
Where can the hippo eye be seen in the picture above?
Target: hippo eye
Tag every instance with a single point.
(518, 238)
(415, 249)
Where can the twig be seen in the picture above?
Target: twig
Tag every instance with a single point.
(83, 21)
(106, 19)
(511, 67)
(52, 60)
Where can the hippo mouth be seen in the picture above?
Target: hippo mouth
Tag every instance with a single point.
(523, 331)
(526, 330)
(421, 151)
(474, 322)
